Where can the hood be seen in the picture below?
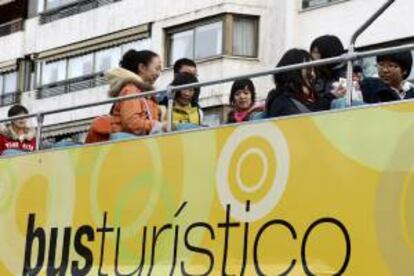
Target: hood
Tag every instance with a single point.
(119, 77)
(9, 132)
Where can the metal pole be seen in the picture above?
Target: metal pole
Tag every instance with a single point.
(351, 48)
(170, 95)
(39, 118)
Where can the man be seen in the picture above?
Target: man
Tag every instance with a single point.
(17, 137)
(393, 70)
(185, 65)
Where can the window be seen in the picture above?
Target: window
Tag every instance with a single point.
(136, 45)
(306, 4)
(9, 82)
(57, 9)
(182, 45)
(107, 59)
(209, 40)
(226, 34)
(80, 66)
(245, 37)
(54, 71)
(53, 4)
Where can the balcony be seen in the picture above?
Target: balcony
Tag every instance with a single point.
(72, 9)
(9, 99)
(11, 27)
(72, 85)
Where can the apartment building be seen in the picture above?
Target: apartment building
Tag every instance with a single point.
(54, 53)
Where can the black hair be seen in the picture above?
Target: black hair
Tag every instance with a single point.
(240, 85)
(132, 59)
(328, 46)
(403, 59)
(186, 78)
(183, 62)
(357, 69)
(291, 81)
(17, 110)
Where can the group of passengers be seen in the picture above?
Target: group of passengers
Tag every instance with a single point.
(298, 91)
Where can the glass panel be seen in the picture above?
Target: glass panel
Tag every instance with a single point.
(80, 66)
(1, 84)
(244, 37)
(54, 72)
(181, 46)
(209, 40)
(369, 67)
(411, 77)
(314, 3)
(138, 45)
(107, 59)
(10, 82)
(52, 4)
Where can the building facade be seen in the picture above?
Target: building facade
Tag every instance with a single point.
(54, 53)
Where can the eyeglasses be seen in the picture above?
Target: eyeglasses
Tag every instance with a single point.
(388, 66)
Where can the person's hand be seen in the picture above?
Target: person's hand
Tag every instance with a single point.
(339, 92)
(164, 126)
(339, 88)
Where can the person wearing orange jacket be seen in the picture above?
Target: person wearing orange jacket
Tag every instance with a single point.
(140, 116)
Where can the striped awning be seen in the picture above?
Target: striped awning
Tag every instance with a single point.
(2, 2)
(66, 128)
(8, 66)
(91, 45)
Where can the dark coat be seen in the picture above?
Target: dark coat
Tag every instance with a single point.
(374, 90)
(284, 103)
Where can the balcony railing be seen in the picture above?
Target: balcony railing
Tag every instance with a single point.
(72, 85)
(9, 99)
(72, 9)
(11, 27)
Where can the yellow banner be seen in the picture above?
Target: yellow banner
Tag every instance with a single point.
(329, 194)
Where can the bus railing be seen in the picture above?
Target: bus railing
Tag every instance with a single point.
(355, 36)
(169, 91)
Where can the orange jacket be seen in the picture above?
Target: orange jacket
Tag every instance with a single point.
(136, 116)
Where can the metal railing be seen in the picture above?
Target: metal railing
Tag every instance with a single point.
(11, 27)
(71, 85)
(9, 99)
(72, 9)
(172, 89)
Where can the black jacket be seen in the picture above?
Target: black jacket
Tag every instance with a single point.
(324, 83)
(374, 90)
(283, 103)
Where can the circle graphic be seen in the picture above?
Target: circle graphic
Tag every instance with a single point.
(275, 138)
(260, 183)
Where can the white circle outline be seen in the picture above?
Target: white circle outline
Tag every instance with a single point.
(273, 135)
(262, 180)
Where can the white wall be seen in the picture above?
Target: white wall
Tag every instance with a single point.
(344, 18)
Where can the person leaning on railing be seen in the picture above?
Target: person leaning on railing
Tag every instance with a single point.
(17, 137)
(393, 70)
(139, 116)
(295, 91)
(243, 102)
(187, 113)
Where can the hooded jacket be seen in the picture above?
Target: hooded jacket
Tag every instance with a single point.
(136, 116)
(10, 140)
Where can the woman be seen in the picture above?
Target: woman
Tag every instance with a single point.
(327, 46)
(186, 111)
(140, 116)
(17, 137)
(243, 102)
(295, 90)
